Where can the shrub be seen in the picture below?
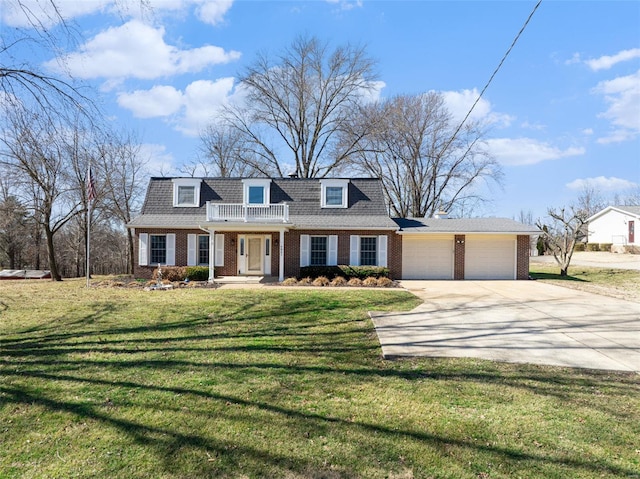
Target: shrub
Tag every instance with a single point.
(290, 282)
(321, 281)
(305, 281)
(605, 247)
(579, 247)
(171, 273)
(370, 282)
(355, 282)
(338, 281)
(593, 247)
(196, 273)
(345, 271)
(384, 283)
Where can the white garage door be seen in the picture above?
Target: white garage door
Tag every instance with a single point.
(489, 258)
(427, 258)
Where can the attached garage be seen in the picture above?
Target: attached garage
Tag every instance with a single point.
(492, 257)
(465, 248)
(427, 257)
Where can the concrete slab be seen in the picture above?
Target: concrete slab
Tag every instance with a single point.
(514, 321)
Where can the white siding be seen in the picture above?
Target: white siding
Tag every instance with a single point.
(612, 227)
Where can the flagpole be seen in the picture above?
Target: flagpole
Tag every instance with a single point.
(90, 194)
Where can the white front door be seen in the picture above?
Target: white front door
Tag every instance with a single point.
(255, 255)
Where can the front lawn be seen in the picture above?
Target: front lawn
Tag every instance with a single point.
(196, 383)
(620, 283)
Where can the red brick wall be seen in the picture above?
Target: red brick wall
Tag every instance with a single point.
(458, 256)
(522, 258)
(292, 250)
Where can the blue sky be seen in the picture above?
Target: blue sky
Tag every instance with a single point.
(564, 109)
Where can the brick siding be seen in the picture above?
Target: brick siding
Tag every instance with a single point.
(292, 250)
(522, 267)
(458, 256)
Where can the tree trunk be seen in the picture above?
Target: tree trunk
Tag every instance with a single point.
(131, 262)
(563, 271)
(53, 266)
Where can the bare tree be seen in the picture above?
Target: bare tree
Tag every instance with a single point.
(226, 152)
(424, 167)
(121, 168)
(34, 150)
(302, 100)
(13, 229)
(562, 233)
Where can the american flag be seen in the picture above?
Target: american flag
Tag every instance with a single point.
(91, 186)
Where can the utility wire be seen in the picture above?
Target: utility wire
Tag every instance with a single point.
(490, 79)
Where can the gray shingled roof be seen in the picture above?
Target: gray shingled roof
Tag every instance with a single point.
(464, 225)
(366, 203)
(634, 210)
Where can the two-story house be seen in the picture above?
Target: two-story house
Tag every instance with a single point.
(264, 226)
(274, 226)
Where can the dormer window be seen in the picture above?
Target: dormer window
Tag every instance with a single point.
(257, 191)
(186, 192)
(335, 193)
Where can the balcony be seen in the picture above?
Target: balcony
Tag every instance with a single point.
(248, 213)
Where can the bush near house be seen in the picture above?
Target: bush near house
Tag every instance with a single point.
(579, 247)
(197, 273)
(593, 247)
(346, 271)
(605, 247)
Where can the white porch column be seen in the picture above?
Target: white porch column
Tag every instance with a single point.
(212, 254)
(281, 252)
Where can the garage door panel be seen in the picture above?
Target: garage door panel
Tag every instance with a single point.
(427, 258)
(490, 259)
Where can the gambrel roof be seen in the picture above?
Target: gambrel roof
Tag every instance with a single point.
(366, 206)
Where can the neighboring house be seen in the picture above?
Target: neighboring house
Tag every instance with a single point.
(274, 226)
(615, 225)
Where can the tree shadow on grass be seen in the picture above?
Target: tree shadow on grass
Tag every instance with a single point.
(556, 276)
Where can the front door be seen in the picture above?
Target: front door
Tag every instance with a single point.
(632, 233)
(254, 255)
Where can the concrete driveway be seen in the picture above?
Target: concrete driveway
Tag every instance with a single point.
(514, 321)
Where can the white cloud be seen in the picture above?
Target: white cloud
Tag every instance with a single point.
(346, 4)
(159, 160)
(607, 61)
(203, 101)
(42, 14)
(213, 12)
(623, 96)
(527, 151)
(189, 110)
(459, 103)
(602, 183)
(139, 51)
(160, 101)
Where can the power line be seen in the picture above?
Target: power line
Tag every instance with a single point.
(515, 40)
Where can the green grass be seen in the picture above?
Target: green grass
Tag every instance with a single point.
(116, 383)
(614, 282)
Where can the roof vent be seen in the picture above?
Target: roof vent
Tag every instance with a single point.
(293, 175)
(441, 215)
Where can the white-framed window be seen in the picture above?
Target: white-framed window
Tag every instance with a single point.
(368, 250)
(186, 192)
(203, 250)
(318, 250)
(199, 250)
(335, 193)
(256, 191)
(156, 249)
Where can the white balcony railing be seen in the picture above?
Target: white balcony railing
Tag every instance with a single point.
(247, 213)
